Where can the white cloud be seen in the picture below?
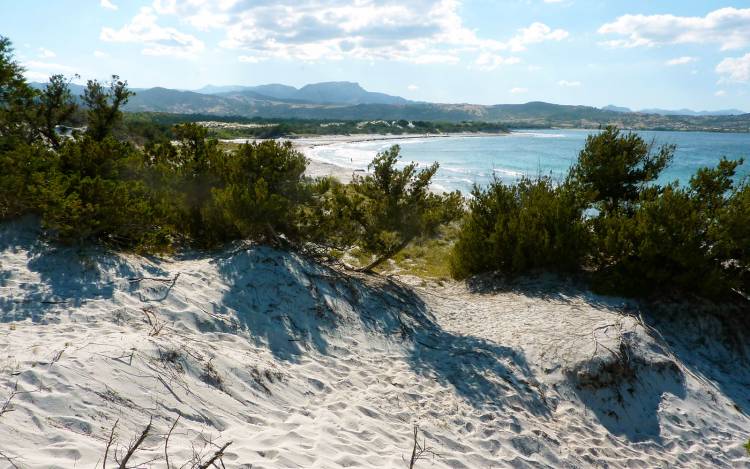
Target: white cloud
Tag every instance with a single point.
(518, 90)
(720, 93)
(418, 31)
(727, 27)
(46, 53)
(735, 69)
(569, 84)
(489, 61)
(157, 40)
(100, 54)
(534, 34)
(412, 87)
(681, 61)
(108, 4)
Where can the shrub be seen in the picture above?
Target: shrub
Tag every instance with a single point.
(613, 168)
(520, 227)
(261, 190)
(675, 238)
(384, 211)
(95, 192)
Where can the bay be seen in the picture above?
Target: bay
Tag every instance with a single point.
(468, 160)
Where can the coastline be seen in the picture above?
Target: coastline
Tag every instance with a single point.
(318, 168)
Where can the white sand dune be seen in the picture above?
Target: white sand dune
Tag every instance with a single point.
(300, 366)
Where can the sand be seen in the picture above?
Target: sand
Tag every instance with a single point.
(318, 168)
(299, 365)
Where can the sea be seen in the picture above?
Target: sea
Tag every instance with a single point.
(469, 160)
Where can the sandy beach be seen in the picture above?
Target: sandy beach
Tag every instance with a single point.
(317, 168)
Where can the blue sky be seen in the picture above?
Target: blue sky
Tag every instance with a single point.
(656, 53)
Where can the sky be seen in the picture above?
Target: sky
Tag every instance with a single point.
(640, 53)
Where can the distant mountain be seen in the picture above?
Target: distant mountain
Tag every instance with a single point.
(213, 89)
(344, 92)
(334, 92)
(348, 101)
(76, 90)
(616, 108)
(690, 112)
(277, 91)
(676, 112)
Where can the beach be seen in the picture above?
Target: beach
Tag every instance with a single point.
(317, 167)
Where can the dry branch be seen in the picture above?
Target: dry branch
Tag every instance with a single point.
(166, 441)
(216, 457)
(134, 447)
(420, 451)
(109, 444)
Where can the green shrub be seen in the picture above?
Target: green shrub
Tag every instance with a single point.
(384, 211)
(261, 190)
(96, 192)
(613, 168)
(20, 169)
(675, 238)
(517, 228)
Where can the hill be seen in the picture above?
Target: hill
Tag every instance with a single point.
(349, 101)
(678, 112)
(335, 92)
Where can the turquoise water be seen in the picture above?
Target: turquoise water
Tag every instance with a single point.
(468, 160)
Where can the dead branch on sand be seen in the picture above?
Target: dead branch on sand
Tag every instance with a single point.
(420, 451)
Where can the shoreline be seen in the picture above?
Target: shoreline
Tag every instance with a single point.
(320, 168)
(330, 139)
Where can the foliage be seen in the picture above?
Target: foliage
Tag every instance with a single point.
(104, 106)
(517, 228)
(56, 106)
(613, 168)
(95, 192)
(676, 238)
(228, 127)
(385, 210)
(16, 98)
(610, 218)
(261, 191)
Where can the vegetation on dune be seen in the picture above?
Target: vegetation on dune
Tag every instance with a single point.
(517, 228)
(149, 186)
(150, 125)
(384, 211)
(611, 221)
(181, 189)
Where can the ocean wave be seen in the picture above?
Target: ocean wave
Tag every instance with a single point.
(508, 172)
(537, 135)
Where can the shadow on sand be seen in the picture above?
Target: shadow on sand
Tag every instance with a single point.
(65, 277)
(292, 305)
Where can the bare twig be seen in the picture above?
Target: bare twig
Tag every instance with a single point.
(134, 447)
(109, 443)
(10, 459)
(216, 457)
(166, 442)
(6, 406)
(420, 451)
(156, 325)
(155, 279)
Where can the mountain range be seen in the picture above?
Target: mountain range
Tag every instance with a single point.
(676, 112)
(349, 101)
(334, 92)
